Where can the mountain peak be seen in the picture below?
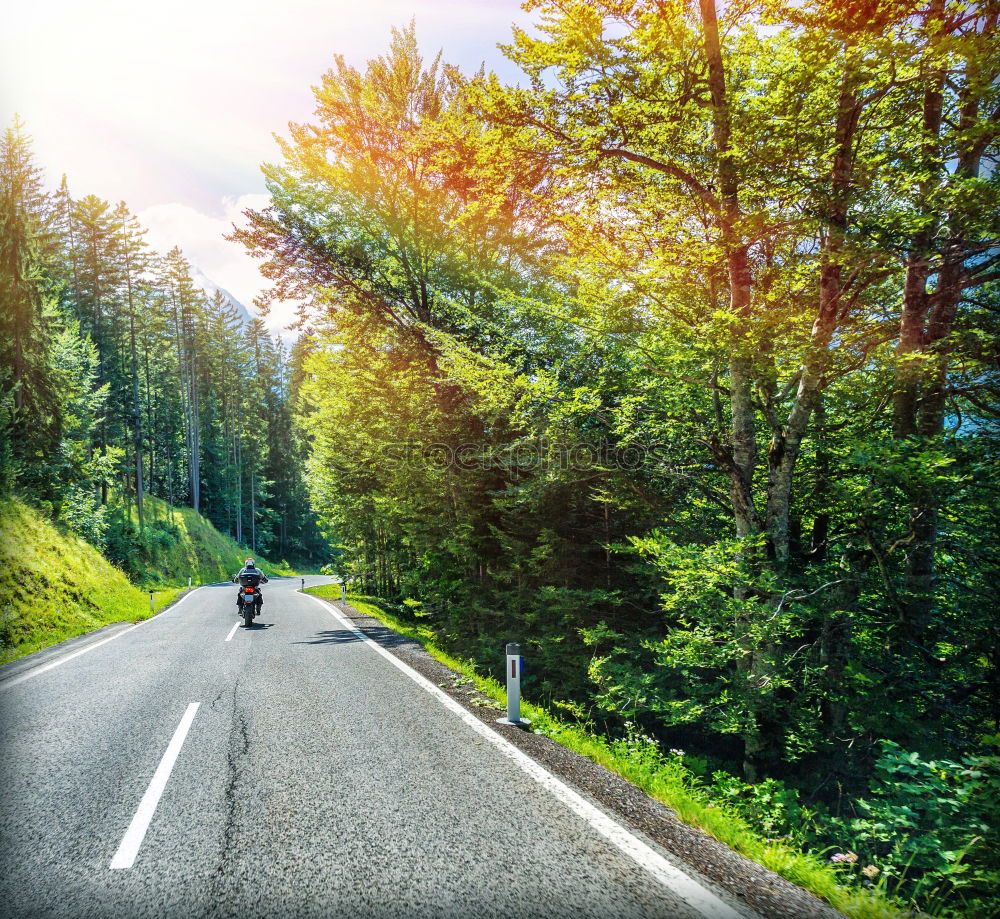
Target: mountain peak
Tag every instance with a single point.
(203, 281)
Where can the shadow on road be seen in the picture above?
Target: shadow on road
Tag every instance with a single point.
(331, 637)
(385, 637)
(258, 625)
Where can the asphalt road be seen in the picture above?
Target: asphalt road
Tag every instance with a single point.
(186, 769)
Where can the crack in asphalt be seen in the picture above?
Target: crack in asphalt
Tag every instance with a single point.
(236, 755)
(217, 699)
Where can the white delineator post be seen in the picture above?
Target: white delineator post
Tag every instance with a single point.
(514, 687)
(189, 582)
(151, 610)
(303, 583)
(343, 591)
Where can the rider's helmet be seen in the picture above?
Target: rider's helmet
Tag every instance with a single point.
(249, 563)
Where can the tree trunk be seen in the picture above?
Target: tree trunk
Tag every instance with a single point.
(925, 330)
(136, 408)
(742, 459)
(182, 368)
(253, 510)
(239, 487)
(149, 420)
(787, 443)
(195, 429)
(916, 302)
(821, 489)
(99, 341)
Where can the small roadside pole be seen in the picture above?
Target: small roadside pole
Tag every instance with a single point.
(514, 667)
(189, 582)
(343, 591)
(151, 610)
(303, 583)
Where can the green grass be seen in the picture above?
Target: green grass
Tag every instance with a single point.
(55, 586)
(665, 779)
(200, 551)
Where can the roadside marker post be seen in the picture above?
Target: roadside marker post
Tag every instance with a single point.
(303, 583)
(189, 582)
(514, 668)
(343, 591)
(151, 610)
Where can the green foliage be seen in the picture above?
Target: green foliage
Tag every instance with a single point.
(675, 363)
(771, 806)
(56, 586)
(726, 808)
(933, 829)
(926, 831)
(82, 511)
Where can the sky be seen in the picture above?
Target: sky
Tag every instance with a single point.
(172, 107)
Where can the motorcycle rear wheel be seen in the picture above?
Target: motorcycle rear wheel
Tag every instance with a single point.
(247, 615)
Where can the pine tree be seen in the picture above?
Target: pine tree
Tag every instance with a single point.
(135, 264)
(34, 413)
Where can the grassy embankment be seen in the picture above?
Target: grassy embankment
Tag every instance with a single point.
(184, 544)
(664, 778)
(54, 585)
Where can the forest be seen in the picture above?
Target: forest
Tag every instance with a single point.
(675, 361)
(122, 379)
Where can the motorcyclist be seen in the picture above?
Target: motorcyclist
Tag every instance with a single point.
(250, 569)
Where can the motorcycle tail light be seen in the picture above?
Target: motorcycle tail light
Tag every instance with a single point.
(249, 590)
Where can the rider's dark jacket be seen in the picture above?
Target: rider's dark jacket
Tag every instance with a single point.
(258, 600)
(245, 570)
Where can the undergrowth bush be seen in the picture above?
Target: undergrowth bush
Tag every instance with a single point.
(85, 516)
(773, 807)
(932, 827)
(928, 832)
(136, 551)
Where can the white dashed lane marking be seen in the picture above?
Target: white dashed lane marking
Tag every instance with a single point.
(136, 832)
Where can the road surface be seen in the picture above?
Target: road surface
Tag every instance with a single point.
(190, 767)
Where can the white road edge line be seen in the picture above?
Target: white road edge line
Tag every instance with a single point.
(136, 832)
(37, 671)
(232, 632)
(688, 889)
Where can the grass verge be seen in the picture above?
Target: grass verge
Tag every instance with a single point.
(55, 586)
(661, 777)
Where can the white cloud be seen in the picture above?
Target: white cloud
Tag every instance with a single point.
(201, 237)
(177, 102)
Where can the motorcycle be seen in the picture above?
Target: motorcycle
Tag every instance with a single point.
(249, 591)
